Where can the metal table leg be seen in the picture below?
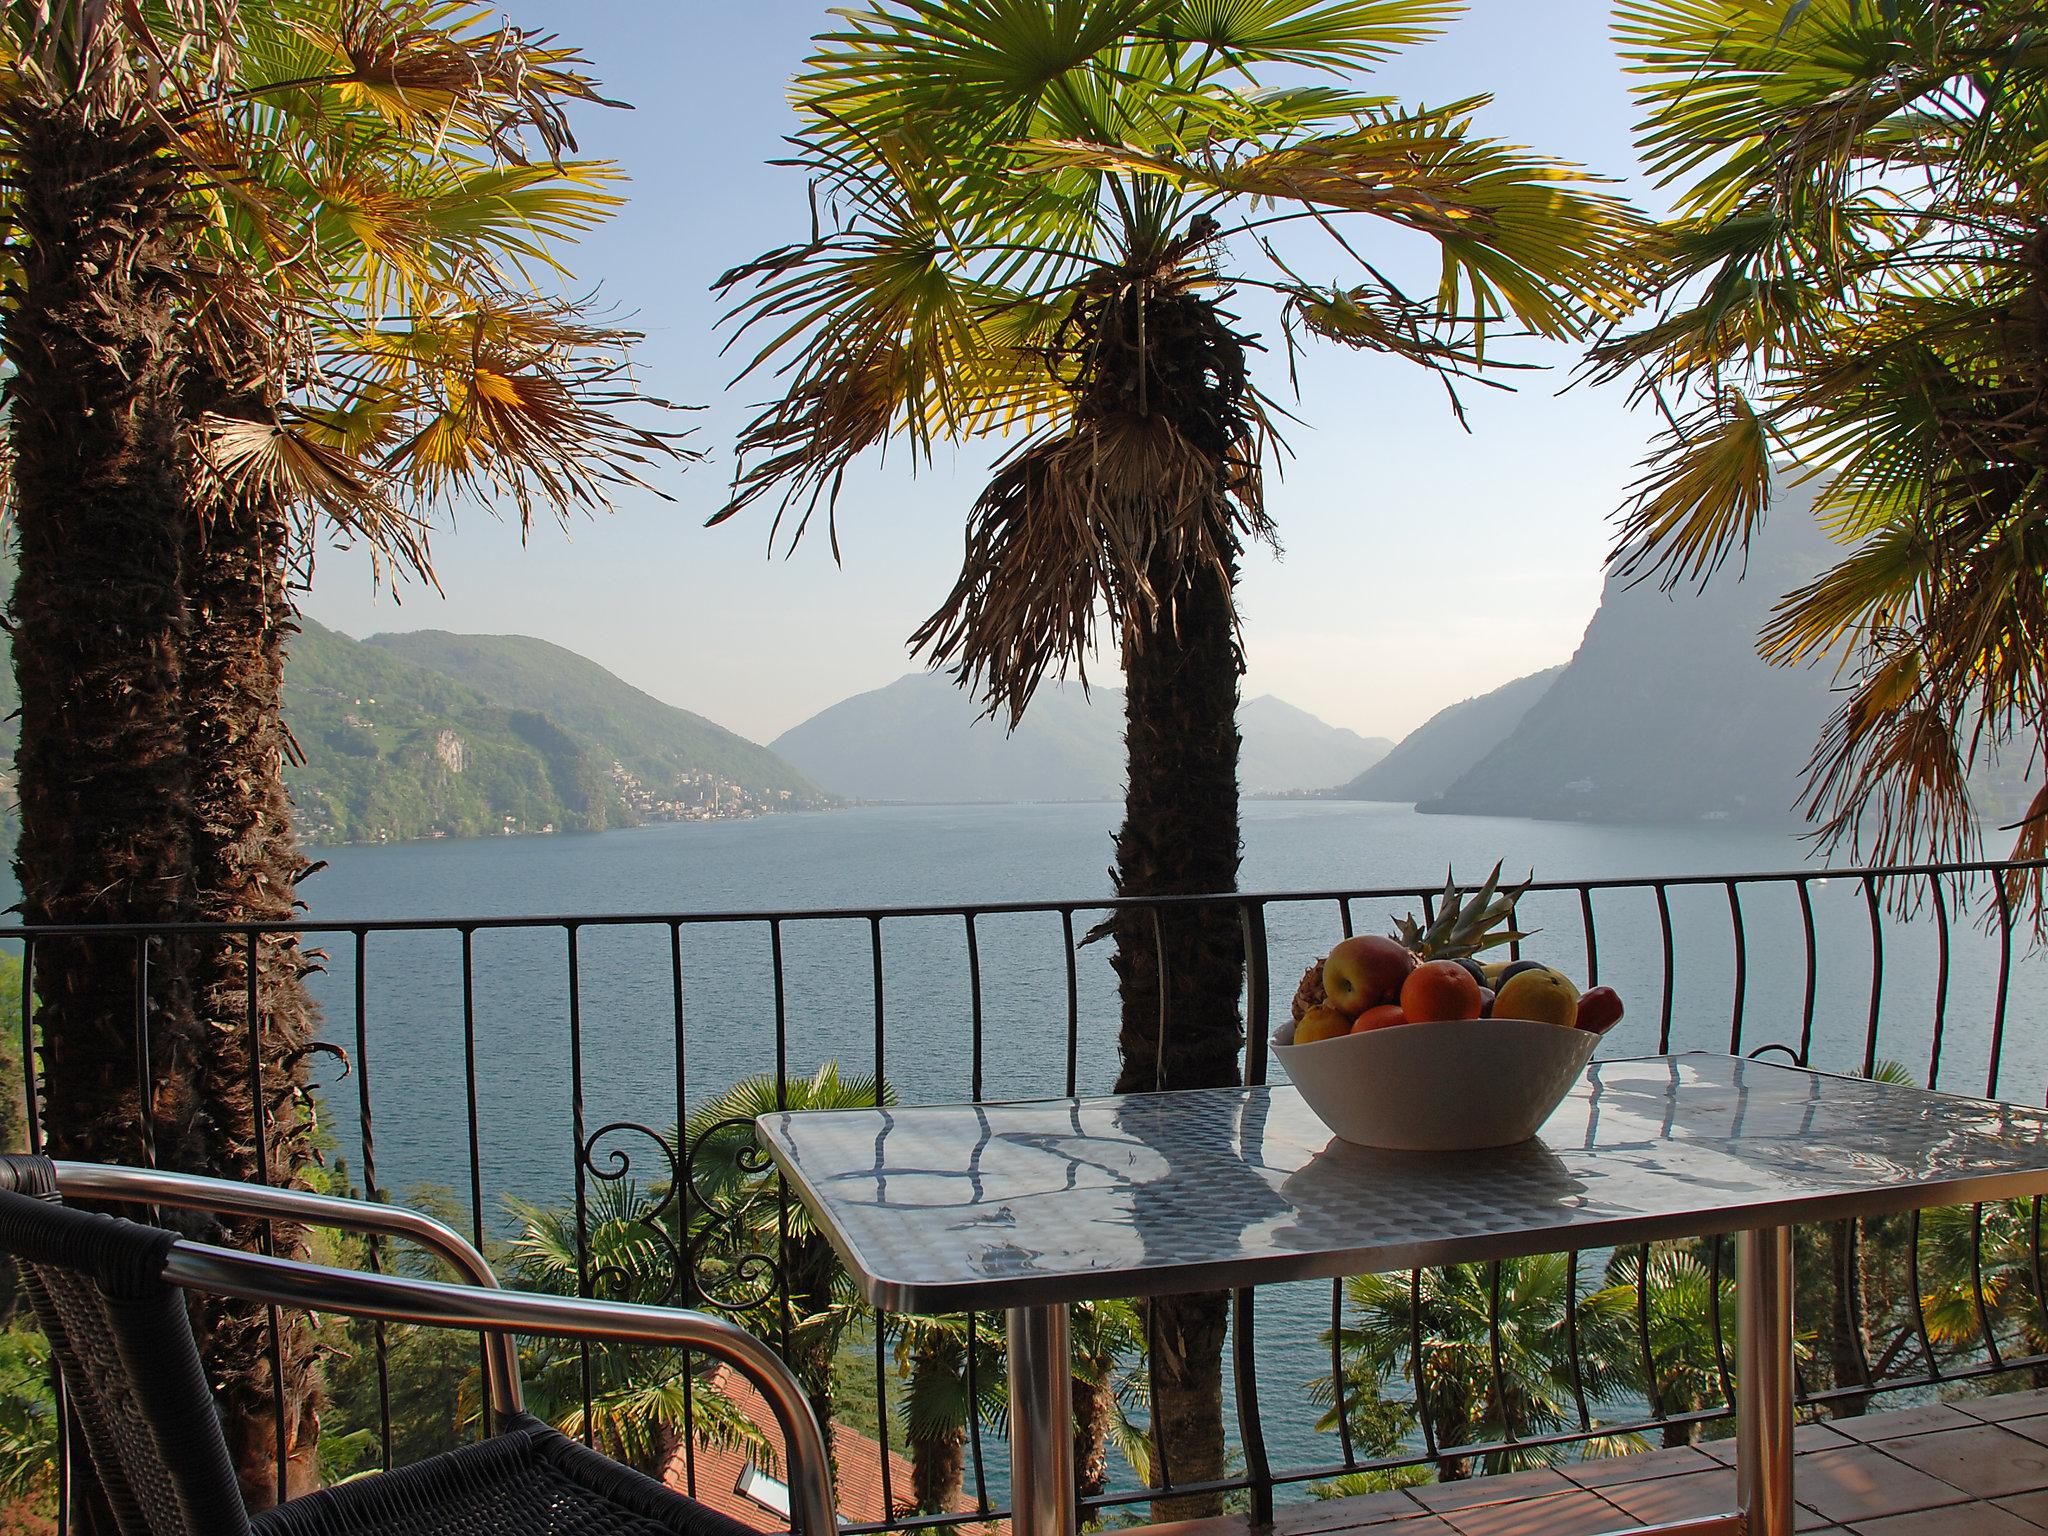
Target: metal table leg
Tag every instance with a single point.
(1042, 1422)
(1763, 1399)
(1763, 1411)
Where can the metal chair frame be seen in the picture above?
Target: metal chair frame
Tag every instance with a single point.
(479, 1303)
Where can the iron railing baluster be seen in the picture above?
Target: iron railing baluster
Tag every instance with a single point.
(1811, 996)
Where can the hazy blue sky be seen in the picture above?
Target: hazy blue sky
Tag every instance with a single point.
(1421, 564)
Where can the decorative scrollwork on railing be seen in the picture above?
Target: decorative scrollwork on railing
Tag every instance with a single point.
(734, 1218)
(641, 1256)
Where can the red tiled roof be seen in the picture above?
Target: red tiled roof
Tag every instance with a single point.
(717, 1470)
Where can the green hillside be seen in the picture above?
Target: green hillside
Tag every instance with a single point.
(668, 750)
(394, 751)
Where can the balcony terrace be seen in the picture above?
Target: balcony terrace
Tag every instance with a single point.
(550, 1061)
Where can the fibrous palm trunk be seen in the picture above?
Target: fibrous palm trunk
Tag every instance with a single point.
(938, 1455)
(1849, 1321)
(1093, 1406)
(98, 623)
(249, 991)
(1182, 965)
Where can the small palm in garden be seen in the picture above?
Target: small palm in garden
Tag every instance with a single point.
(760, 1249)
(642, 1402)
(1496, 1360)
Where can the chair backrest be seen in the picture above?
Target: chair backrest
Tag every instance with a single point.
(131, 1370)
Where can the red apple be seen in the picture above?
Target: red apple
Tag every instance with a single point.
(1599, 1010)
(1365, 972)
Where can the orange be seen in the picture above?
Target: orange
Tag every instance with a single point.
(1442, 989)
(1386, 1016)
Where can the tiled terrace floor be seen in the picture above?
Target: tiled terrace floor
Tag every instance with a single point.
(1977, 1468)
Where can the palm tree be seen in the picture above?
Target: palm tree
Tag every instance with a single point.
(1676, 1322)
(1855, 281)
(1493, 1367)
(740, 1219)
(643, 1402)
(243, 381)
(1110, 1399)
(1038, 213)
(943, 1398)
(1111, 1394)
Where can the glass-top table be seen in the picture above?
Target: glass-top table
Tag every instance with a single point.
(1025, 1207)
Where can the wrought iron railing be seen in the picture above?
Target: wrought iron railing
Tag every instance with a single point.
(458, 1033)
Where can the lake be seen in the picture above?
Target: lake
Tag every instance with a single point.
(618, 1043)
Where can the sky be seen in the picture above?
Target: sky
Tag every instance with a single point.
(1420, 563)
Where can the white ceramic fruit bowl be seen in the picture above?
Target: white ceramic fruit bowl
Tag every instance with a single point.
(1449, 1087)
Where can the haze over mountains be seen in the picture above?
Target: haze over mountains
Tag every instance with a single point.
(921, 739)
(1449, 743)
(1664, 714)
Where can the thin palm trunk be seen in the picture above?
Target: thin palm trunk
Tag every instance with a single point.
(249, 991)
(1093, 1406)
(938, 1455)
(98, 624)
(1849, 1320)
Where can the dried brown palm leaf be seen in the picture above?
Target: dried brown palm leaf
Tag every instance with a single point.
(2029, 886)
(523, 399)
(238, 457)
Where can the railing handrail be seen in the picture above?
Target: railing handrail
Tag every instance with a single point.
(316, 926)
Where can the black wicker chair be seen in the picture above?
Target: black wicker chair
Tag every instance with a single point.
(109, 1295)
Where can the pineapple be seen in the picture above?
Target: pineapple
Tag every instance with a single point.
(1310, 993)
(1466, 922)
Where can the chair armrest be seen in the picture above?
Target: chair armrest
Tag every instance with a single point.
(502, 1313)
(229, 1197)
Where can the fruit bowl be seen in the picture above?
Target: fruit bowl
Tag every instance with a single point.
(1445, 1087)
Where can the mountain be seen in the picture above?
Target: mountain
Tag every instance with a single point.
(658, 744)
(1287, 749)
(1449, 743)
(921, 739)
(440, 735)
(394, 751)
(1666, 713)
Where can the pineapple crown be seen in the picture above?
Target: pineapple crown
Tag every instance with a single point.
(1466, 922)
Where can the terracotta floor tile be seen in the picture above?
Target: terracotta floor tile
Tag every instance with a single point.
(1222, 1525)
(2001, 1406)
(2028, 1506)
(1364, 1509)
(1675, 1498)
(1985, 1460)
(1576, 1513)
(2035, 1428)
(1955, 1520)
(1907, 1421)
(1604, 1471)
(1443, 1497)
(1805, 1437)
(1858, 1483)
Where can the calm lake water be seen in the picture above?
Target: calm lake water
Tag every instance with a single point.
(633, 1061)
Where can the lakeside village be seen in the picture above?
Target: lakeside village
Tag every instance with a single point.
(697, 797)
